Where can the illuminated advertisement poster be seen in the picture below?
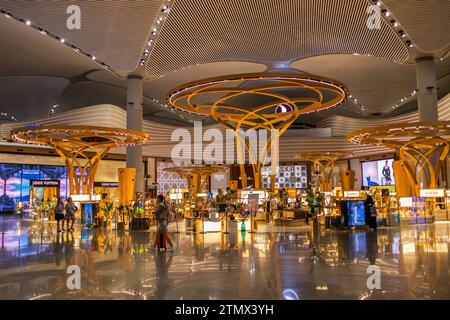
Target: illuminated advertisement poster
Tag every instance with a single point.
(15, 182)
(378, 173)
(356, 213)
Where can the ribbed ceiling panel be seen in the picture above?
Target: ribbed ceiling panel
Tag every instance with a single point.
(267, 31)
(427, 22)
(115, 31)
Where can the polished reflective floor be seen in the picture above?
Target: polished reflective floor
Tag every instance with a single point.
(274, 263)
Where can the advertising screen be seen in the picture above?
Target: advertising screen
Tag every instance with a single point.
(356, 216)
(378, 173)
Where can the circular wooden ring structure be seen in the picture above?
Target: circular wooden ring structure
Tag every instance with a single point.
(74, 143)
(421, 146)
(214, 97)
(324, 163)
(270, 101)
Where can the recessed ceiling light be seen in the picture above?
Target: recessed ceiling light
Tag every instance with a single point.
(62, 40)
(378, 3)
(28, 22)
(93, 58)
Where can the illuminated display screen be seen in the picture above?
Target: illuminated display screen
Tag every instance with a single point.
(356, 215)
(378, 173)
(15, 180)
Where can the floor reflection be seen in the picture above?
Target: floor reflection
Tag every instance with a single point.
(275, 263)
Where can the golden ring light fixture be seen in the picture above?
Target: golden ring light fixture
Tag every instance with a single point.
(422, 148)
(323, 164)
(271, 101)
(81, 147)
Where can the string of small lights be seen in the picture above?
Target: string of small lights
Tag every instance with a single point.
(63, 41)
(155, 29)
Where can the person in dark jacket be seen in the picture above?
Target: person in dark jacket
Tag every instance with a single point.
(162, 219)
(370, 212)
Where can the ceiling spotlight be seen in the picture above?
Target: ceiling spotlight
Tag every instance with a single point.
(378, 3)
(28, 22)
(93, 58)
(142, 62)
(62, 40)
(386, 13)
(7, 15)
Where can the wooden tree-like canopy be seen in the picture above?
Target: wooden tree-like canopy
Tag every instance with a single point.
(324, 164)
(201, 171)
(270, 101)
(74, 143)
(422, 147)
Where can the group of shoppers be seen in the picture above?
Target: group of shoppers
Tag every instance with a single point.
(65, 212)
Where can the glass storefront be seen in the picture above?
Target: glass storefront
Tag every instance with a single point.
(15, 183)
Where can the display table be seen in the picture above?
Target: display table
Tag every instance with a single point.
(291, 217)
(219, 226)
(140, 224)
(416, 220)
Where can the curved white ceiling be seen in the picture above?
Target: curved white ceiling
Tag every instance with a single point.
(22, 96)
(376, 83)
(427, 22)
(268, 31)
(366, 77)
(114, 31)
(159, 88)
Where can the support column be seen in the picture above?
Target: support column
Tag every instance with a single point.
(426, 84)
(135, 94)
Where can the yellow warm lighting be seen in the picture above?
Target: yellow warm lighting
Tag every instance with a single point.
(73, 143)
(217, 97)
(416, 144)
(324, 164)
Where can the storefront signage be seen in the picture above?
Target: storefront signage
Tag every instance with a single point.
(431, 193)
(106, 184)
(406, 202)
(44, 183)
(351, 194)
(85, 197)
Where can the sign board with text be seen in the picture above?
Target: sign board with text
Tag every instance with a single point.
(432, 193)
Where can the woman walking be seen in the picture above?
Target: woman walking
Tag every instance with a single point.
(70, 213)
(162, 217)
(59, 214)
